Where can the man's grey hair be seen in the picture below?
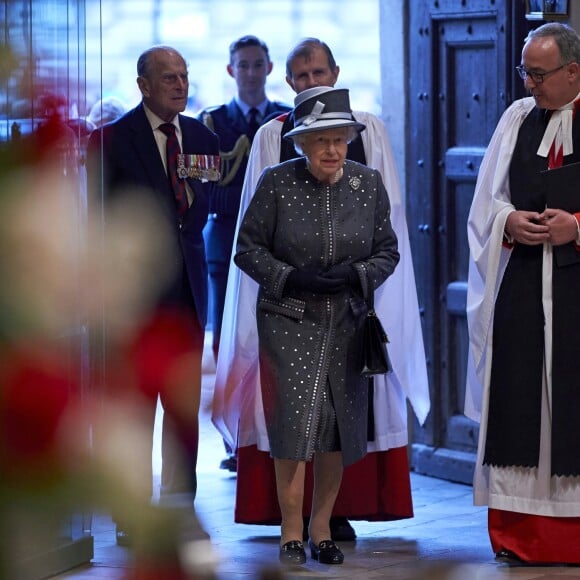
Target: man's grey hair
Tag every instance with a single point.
(565, 37)
(304, 49)
(144, 61)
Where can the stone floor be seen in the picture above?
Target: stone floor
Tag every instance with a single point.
(446, 539)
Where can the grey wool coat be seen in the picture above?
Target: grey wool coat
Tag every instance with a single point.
(309, 343)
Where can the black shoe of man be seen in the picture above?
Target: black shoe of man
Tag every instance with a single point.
(340, 530)
(230, 464)
(122, 537)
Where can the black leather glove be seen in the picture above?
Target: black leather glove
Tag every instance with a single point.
(304, 280)
(345, 272)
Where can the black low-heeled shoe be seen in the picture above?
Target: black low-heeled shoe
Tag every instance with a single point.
(292, 553)
(327, 552)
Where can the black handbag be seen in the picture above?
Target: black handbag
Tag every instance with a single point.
(374, 339)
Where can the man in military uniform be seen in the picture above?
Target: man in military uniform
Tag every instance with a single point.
(235, 123)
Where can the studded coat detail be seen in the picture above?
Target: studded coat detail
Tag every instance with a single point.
(309, 342)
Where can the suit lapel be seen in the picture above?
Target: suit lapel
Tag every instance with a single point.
(148, 152)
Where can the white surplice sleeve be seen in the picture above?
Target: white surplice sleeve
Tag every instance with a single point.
(396, 300)
(488, 257)
(236, 410)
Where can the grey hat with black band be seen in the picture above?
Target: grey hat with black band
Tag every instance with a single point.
(322, 108)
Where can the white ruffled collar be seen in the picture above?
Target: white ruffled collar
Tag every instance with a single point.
(559, 130)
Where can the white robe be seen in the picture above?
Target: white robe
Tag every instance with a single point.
(237, 405)
(516, 489)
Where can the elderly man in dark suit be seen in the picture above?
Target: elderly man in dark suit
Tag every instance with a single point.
(139, 152)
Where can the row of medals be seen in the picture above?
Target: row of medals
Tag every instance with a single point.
(198, 166)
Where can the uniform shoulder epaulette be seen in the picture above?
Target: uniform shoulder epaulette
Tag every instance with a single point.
(206, 116)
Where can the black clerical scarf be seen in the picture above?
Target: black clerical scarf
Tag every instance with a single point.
(513, 431)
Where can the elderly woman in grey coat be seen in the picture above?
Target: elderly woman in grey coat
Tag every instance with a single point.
(317, 238)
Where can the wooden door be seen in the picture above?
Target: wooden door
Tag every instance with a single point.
(462, 58)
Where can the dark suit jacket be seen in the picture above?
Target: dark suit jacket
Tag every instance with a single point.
(125, 154)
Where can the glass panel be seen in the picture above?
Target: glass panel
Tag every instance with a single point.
(44, 357)
(45, 95)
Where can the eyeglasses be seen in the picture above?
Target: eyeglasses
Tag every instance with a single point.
(537, 77)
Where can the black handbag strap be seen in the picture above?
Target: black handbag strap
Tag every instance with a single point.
(370, 293)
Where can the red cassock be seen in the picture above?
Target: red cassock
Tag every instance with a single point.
(533, 538)
(377, 488)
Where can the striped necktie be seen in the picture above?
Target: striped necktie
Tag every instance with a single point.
(172, 150)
